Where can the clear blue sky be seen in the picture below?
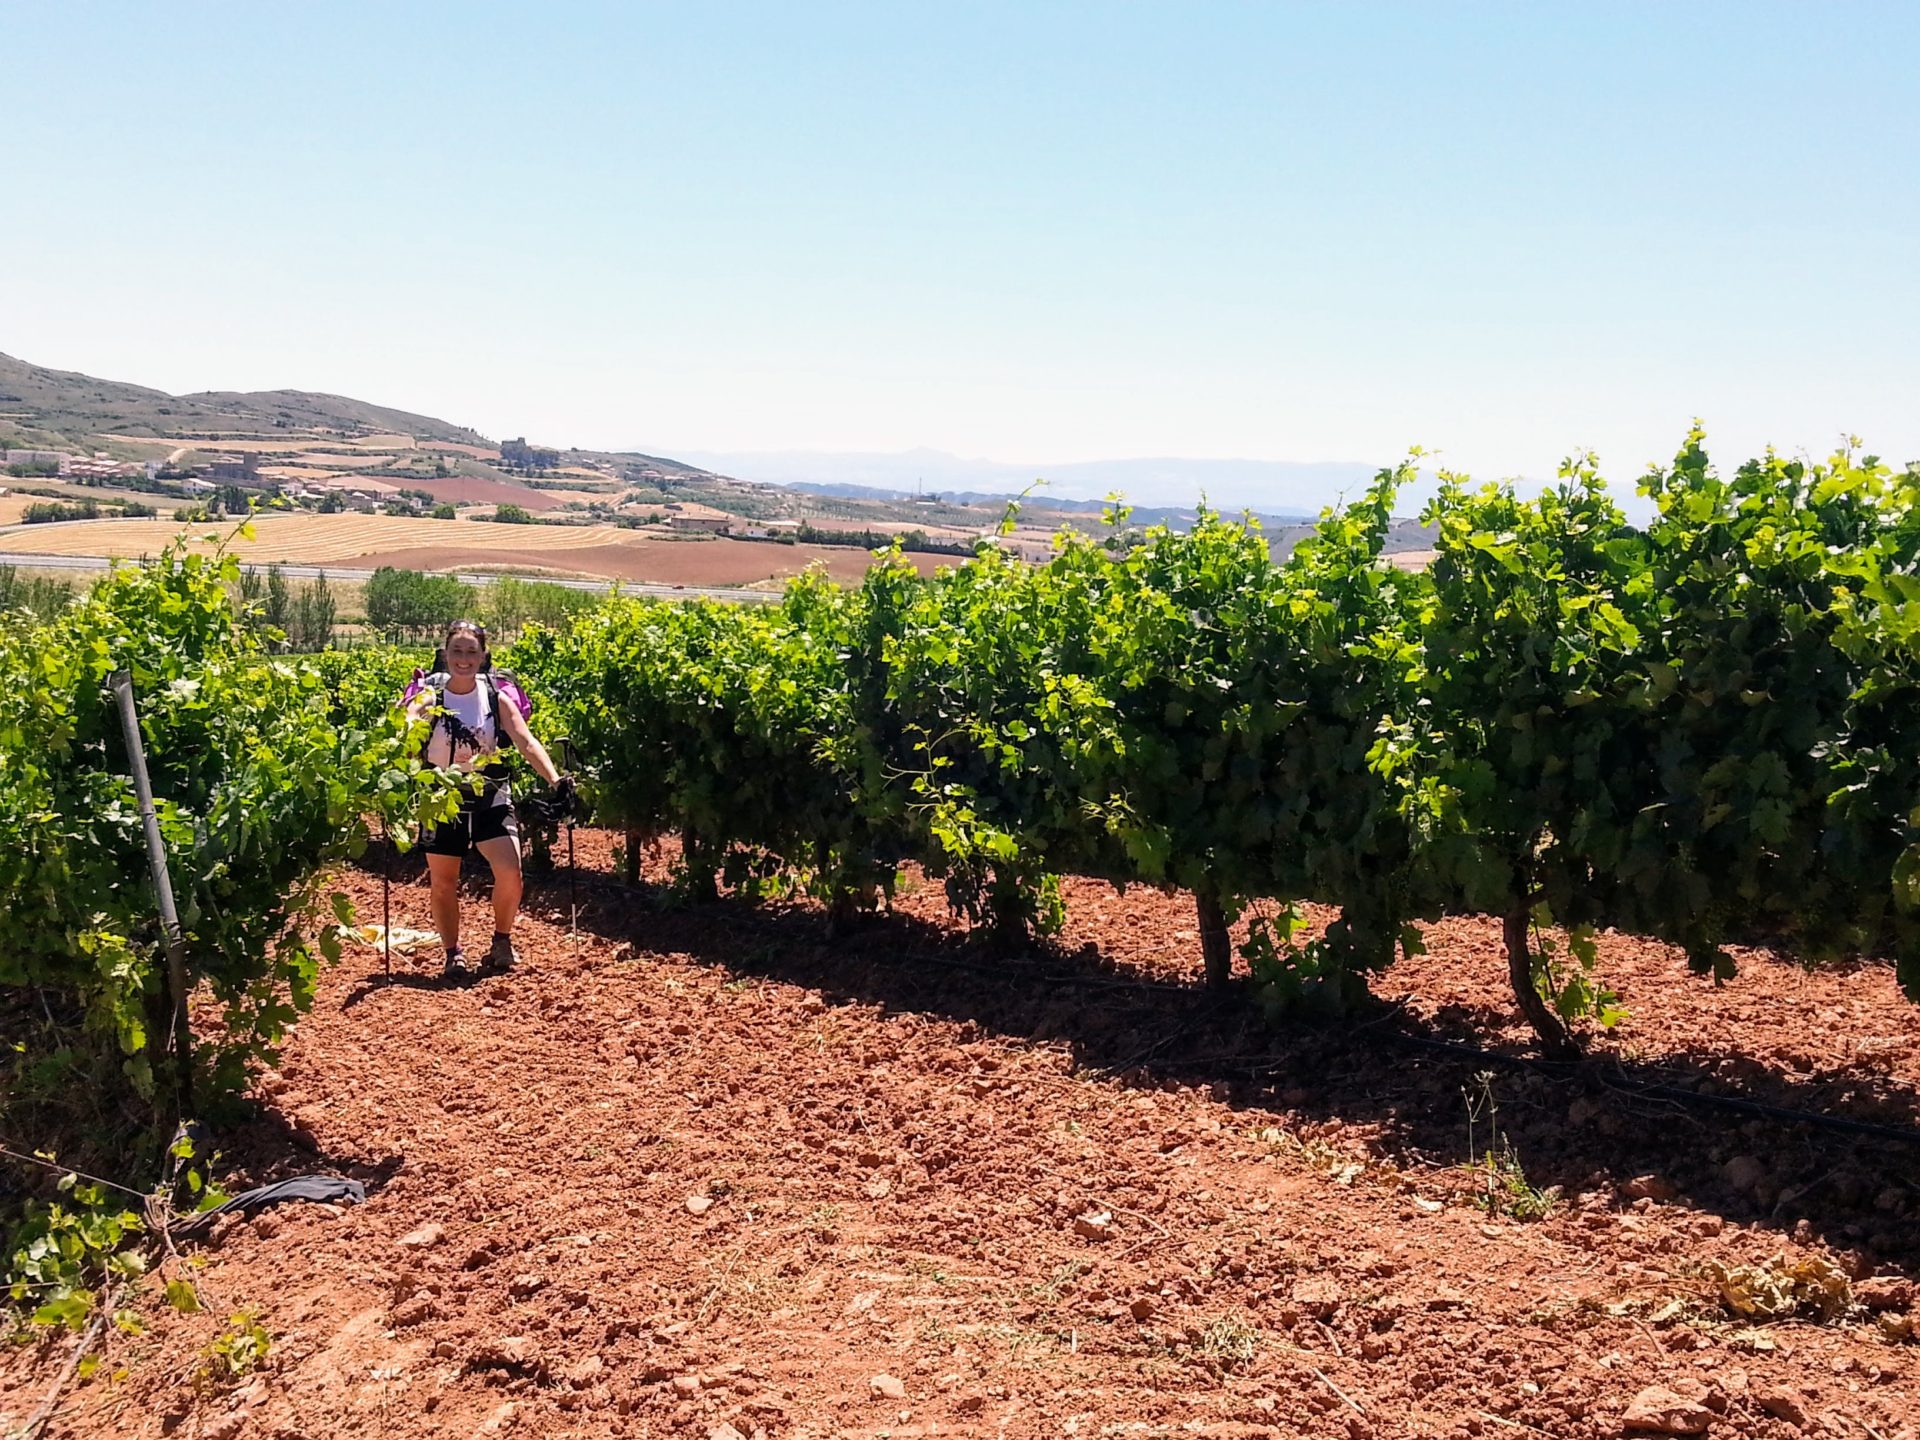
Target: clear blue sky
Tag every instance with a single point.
(1032, 232)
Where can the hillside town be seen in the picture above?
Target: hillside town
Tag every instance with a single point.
(331, 469)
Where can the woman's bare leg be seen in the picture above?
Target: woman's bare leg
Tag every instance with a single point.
(503, 854)
(443, 890)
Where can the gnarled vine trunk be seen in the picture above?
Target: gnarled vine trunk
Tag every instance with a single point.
(1556, 1039)
(696, 859)
(1216, 949)
(843, 900)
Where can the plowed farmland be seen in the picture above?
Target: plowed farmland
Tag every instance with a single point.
(369, 541)
(703, 1172)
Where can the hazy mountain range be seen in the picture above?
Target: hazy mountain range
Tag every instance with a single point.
(1277, 487)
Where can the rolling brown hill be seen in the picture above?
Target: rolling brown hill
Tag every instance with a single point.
(72, 406)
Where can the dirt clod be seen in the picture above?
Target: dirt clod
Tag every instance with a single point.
(1317, 1296)
(1782, 1404)
(416, 1311)
(1649, 1187)
(1658, 1410)
(1744, 1172)
(1884, 1292)
(886, 1387)
(425, 1236)
(515, 1353)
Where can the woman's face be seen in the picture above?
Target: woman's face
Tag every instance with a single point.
(464, 654)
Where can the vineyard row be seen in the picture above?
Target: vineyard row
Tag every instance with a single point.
(1704, 728)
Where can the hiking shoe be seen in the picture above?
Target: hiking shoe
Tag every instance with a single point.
(500, 956)
(456, 965)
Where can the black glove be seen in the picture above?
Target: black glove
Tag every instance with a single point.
(561, 800)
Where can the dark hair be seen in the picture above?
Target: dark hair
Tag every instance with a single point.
(470, 627)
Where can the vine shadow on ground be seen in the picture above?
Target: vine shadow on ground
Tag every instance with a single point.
(1581, 1129)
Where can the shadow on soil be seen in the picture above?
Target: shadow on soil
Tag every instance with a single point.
(1579, 1129)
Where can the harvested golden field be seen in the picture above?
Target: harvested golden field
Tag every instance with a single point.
(583, 497)
(264, 447)
(239, 445)
(716, 562)
(14, 503)
(365, 542)
(370, 460)
(304, 475)
(485, 490)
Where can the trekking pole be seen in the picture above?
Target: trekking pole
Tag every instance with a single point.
(386, 897)
(573, 877)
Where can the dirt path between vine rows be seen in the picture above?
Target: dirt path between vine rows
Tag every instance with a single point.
(708, 1173)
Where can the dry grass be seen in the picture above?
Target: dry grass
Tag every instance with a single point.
(308, 539)
(13, 505)
(368, 461)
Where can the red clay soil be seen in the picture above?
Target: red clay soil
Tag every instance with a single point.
(715, 562)
(707, 1172)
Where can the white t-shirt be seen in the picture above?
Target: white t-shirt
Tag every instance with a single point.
(473, 711)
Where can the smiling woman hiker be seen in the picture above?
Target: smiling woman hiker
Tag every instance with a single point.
(471, 708)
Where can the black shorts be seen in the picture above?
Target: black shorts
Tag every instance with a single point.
(478, 821)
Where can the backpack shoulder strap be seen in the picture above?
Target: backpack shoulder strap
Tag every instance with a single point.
(493, 702)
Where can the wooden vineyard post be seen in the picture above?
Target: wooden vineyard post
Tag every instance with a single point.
(122, 684)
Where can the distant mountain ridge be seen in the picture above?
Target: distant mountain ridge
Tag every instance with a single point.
(1272, 487)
